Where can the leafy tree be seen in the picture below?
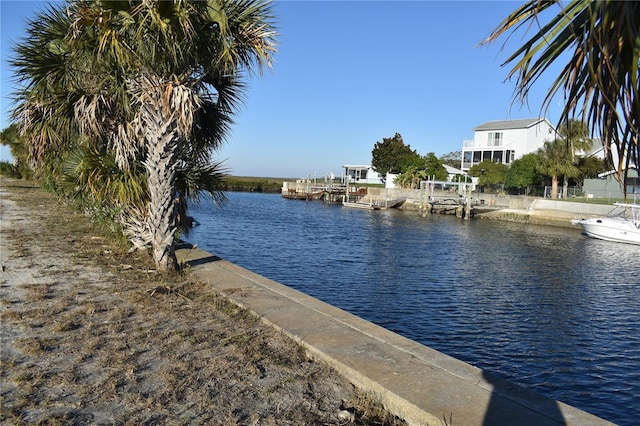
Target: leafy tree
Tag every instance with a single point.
(393, 156)
(453, 159)
(600, 80)
(151, 84)
(490, 173)
(522, 173)
(589, 168)
(434, 168)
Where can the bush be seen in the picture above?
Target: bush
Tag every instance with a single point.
(254, 184)
(9, 170)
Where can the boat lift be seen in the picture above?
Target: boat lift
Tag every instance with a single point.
(463, 200)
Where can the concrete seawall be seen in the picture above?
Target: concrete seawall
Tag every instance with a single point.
(414, 382)
(550, 212)
(522, 209)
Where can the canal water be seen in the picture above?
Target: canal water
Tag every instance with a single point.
(544, 307)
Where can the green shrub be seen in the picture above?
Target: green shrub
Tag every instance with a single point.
(9, 170)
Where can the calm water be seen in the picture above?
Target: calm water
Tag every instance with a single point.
(544, 307)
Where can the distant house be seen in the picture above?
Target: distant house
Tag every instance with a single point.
(361, 174)
(453, 172)
(596, 150)
(505, 141)
(608, 186)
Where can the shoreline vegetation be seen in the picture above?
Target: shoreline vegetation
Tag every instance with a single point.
(93, 335)
(255, 184)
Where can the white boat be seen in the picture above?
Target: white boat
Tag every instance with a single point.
(623, 228)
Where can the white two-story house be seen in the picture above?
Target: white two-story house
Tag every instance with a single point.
(506, 141)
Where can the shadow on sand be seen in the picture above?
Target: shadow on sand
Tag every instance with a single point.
(190, 255)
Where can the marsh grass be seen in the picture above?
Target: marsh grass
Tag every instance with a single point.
(99, 337)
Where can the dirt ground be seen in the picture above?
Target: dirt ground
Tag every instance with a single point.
(93, 335)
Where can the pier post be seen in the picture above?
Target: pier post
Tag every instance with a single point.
(467, 210)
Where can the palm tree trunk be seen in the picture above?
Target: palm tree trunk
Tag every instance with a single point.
(565, 187)
(162, 214)
(162, 143)
(554, 186)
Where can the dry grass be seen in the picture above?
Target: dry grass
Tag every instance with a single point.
(91, 336)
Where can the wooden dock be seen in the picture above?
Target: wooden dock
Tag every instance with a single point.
(329, 193)
(375, 204)
(293, 194)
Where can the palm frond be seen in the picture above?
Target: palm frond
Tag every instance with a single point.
(90, 171)
(600, 80)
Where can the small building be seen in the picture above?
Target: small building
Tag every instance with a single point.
(453, 172)
(362, 174)
(505, 141)
(608, 186)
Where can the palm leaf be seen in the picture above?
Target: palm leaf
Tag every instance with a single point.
(599, 81)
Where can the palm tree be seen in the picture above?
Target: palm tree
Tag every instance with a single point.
(45, 100)
(19, 150)
(555, 162)
(157, 83)
(411, 177)
(601, 80)
(576, 136)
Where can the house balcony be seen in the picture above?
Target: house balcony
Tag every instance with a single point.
(472, 143)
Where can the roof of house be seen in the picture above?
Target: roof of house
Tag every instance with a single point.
(597, 148)
(453, 170)
(509, 124)
(613, 172)
(356, 167)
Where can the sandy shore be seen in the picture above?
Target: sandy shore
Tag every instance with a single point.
(92, 335)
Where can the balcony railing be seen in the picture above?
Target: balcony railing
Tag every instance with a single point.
(472, 143)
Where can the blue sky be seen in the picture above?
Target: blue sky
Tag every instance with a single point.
(349, 73)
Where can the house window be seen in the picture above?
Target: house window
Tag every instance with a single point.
(494, 139)
(486, 156)
(509, 156)
(467, 156)
(633, 185)
(477, 156)
(497, 156)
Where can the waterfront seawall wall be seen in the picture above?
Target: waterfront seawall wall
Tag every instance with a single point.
(414, 382)
(549, 212)
(513, 208)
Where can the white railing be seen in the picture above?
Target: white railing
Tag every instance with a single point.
(472, 143)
